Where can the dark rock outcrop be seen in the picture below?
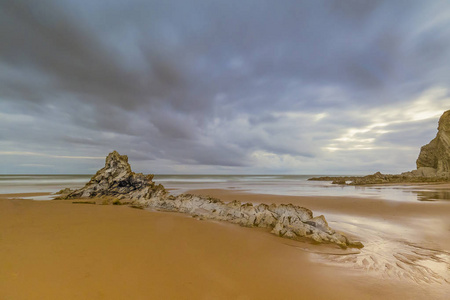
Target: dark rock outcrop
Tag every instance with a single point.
(285, 220)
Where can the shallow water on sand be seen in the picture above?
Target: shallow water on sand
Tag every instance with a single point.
(395, 250)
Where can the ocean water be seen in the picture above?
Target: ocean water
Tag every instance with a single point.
(296, 185)
(10, 184)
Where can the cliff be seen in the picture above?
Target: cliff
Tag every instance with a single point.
(436, 154)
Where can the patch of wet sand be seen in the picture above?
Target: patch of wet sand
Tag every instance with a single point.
(404, 241)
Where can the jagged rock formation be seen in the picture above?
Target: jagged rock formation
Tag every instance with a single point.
(433, 163)
(436, 154)
(286, 220)
(117, 180)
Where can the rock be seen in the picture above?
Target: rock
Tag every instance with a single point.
(355, 244)
(436, 154)
(290, 234)
(63, 192)
(320, 222)
(339, 181)
(424, 172)
(376, 178)
(278, 229)
(117, 181)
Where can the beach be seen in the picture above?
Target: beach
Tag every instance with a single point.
(61, 250)
(224, 150)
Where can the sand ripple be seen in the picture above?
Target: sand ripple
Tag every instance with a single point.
(409, 261)
(396, 258)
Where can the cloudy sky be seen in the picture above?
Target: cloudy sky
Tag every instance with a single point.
(235, 86)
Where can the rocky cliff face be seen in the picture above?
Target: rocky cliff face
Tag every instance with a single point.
(285, 220)
(436, 154)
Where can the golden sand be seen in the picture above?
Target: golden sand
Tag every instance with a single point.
(60, 250)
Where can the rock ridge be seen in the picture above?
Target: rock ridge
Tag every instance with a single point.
(285, 220)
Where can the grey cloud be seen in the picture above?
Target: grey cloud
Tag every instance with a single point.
(81, 141)
(75, 58)
(413, 134)
(172, 80)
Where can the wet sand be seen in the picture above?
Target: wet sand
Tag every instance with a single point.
(409, 241)
(60, 250)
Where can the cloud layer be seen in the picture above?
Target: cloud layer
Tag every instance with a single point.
(304, 87)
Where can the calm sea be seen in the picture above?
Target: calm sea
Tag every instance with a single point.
(296, 185)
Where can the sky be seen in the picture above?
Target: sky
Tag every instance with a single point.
(221, 87)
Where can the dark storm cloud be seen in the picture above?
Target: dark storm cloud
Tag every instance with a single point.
(75, 59)
(264, 85)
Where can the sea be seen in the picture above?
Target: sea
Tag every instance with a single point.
(295, 185)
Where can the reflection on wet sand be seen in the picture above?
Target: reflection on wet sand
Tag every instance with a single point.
(433, 195)
(406, 242)
(398, 259)
(392, 251)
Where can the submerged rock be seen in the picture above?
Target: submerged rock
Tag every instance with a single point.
(285, 220)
